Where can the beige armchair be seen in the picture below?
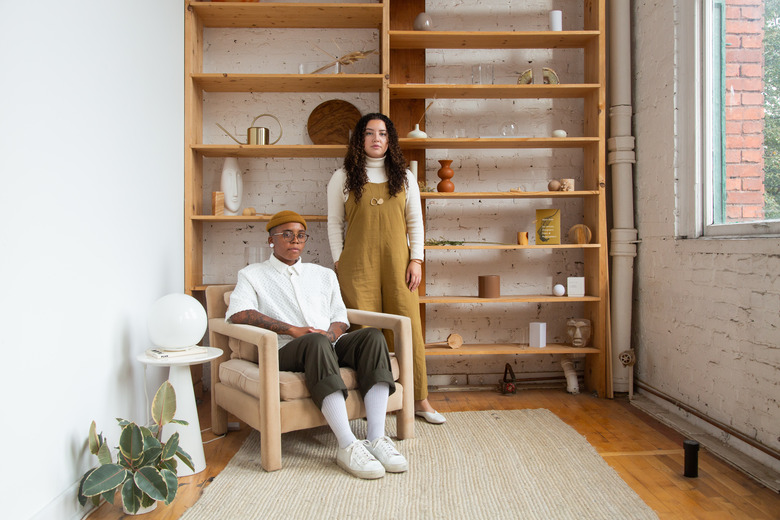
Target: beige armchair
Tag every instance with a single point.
(246, 382)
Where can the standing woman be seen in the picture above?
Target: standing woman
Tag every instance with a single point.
(379, 260)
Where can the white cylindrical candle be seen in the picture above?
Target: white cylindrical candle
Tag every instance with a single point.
(556, 20)
(413, 167)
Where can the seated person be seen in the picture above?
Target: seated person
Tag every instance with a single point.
(302, 303)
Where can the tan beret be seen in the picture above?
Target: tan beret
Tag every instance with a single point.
(283, 217)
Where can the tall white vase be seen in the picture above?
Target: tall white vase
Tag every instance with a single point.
(232, 185)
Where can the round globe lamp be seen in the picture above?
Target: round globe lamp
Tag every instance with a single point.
(176, 322)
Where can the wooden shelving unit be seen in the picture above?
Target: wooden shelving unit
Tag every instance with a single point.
(408, 93)
(403, 92)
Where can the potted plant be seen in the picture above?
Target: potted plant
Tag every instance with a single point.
(145, 467)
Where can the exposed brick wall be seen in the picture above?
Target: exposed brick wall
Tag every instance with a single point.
(744, 104)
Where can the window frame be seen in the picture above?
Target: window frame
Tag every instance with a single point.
(697, 183)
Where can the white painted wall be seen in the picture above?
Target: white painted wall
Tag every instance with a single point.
(707, 312)
(91, 208)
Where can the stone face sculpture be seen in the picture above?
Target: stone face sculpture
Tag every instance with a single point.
(578, 330)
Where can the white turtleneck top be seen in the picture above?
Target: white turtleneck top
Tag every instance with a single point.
(375, 169)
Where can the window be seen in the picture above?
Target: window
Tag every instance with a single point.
(735, 55)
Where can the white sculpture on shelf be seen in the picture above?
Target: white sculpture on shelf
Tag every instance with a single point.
(232, 185)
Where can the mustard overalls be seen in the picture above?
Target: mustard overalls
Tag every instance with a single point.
(372, 266)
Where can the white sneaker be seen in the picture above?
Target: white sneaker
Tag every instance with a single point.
(384, 451)
(357, 460)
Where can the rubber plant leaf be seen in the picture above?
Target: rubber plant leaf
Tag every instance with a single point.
(173, 484)
(104, 454)
(131, 497)
(94, 439)
(131, 443)
(185, 458)
(164, 404)
(151, 482)
(104, 478)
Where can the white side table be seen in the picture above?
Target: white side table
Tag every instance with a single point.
(180, 378)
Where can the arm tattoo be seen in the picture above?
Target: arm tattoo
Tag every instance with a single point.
(335, 330)
(258, 319)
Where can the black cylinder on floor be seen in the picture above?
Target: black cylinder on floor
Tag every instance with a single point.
(691, 458)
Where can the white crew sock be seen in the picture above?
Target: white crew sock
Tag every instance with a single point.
(334, 408)
(376, 410)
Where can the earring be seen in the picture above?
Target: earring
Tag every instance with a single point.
(271, 245)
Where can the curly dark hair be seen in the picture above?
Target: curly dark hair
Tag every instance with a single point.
(355, 159)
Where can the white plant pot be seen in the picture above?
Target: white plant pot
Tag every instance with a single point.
(141, 510)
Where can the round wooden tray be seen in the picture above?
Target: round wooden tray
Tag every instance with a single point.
(330, 122)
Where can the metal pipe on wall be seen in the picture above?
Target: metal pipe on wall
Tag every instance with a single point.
(621, 157)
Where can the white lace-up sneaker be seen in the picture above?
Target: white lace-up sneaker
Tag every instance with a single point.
(357, 460)
(384, 451)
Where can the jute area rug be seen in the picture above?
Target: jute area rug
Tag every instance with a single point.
(507, 464)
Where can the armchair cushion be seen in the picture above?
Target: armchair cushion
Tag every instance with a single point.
(244, 375)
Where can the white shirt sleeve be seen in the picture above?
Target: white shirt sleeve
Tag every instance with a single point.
(414, 219)
(336, 200)
(243, 297)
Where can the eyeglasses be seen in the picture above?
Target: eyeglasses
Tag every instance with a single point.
(291, 236)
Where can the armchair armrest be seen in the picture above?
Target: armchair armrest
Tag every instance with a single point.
(402, 339)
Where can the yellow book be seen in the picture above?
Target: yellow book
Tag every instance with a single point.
(548, 226)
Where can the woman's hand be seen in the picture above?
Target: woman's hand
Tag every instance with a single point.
(413, 275)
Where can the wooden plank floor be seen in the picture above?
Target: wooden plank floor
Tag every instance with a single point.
(645, 453)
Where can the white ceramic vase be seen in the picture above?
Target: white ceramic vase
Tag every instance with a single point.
(416, 133)
(423, 22)
(232, 185)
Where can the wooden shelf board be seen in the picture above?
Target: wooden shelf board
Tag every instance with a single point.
(252, 218)
(288, 82)
(508, 91)
(437, 349)
(275, 150)
(491, 40)
(434, 195)
(512, 246)
(479, 143)
(530, 298)
(280, 15)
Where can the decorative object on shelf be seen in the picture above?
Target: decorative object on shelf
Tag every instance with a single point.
(550, 77)
(445, 173)
(441, 241)
(424, 188)
(254, 255)
(490, 286)
(145, 468)
(332, 121)
(567, 184)
(319, 67)
(176, 321)
(423, 22)
(548, 226)
(522, 238)
(519, 189)
(556, 20)
(338, 61)
(559, 133)
(580, 234)
(537, 334)
(417, 133)
(575, 286)
(454, 340)
(554, 185)
(508, 385)
(579, 331)
(510, 129)
(257, 135)
(249, 212)
(232, 185)
(482, 74)
(558, 289)
(413, 167)
(217, 203)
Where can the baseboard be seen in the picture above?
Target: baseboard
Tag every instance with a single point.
(727, 448)
(65, 506)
